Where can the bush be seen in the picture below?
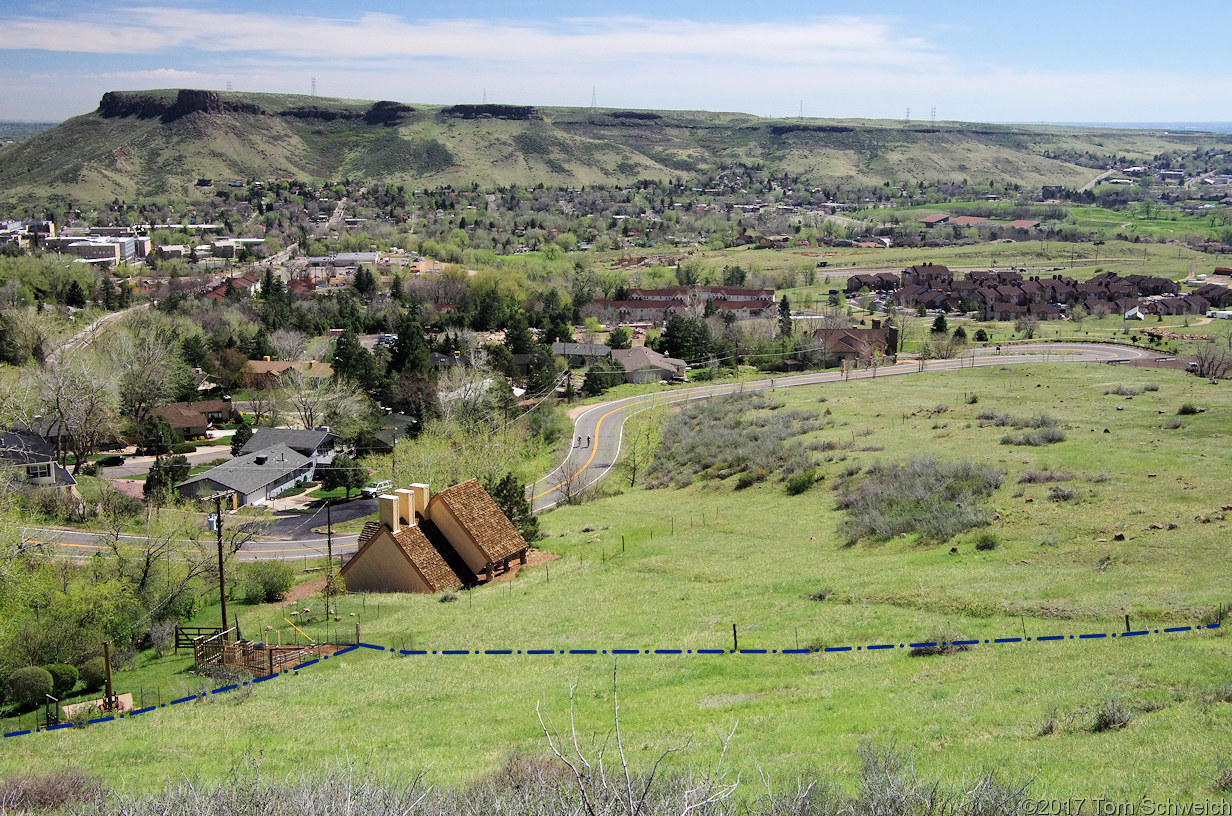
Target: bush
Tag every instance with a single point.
(1188, 409)
(1038, 477)
(986, 541)
(936, 499)
(184, 447)
(267, 581)
(981, 336)
(1035, 439)
(746, 480)
(800, 482)
(94, 673)
(28, 686)
(1124, 391)
(50, 792)
(63, 678)
(1111, 715)
(1061, 494)
(943, 644)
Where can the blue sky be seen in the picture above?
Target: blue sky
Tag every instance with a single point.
(1126, 61)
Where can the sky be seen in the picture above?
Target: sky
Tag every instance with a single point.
(989, 61)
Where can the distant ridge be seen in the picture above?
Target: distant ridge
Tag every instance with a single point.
(156, 144)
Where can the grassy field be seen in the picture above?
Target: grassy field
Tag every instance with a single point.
(676, 569)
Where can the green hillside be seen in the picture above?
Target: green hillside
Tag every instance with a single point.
(158, 143)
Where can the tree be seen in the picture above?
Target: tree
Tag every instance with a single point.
(940, 326)
(619, 338)
(642, 435)
(602, 375)
(785, 322)
(345, 473)
(1027, 325)
(353, 362)
(960, 336)
(518, 338)
(155, 436)
(75, 296)
(410, 352)
(1213, 359)
(365, 282)
(509, 494)
(242, 434)
(151, 371)
(165, 473)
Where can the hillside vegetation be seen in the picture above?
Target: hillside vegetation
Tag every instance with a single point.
(158, 143)
(1080, 533)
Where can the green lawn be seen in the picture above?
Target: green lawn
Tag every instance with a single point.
(698, 560)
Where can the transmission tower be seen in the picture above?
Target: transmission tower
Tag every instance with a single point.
(594, 99)
(228, 85)
(485, 96)
(314, 86)
(932, 113)
(907, 120)
(801, 110)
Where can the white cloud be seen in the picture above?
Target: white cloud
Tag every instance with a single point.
(867, 66)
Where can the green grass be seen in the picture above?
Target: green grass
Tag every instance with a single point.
(698, 560)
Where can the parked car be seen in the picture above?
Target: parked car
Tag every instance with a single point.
(110, 461)
(374, 489)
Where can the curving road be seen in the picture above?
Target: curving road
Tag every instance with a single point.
(604, 424)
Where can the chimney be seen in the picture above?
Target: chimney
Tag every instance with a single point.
(387, 507)
(266, 358)
(406, 506)
(419, 502)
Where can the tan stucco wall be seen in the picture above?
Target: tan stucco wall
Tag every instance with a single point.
(458, 537)
(382, 568)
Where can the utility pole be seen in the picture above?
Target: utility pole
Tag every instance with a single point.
(329, 556)
(222, 581)
(107, 668)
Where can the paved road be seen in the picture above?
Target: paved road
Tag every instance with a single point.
(292, 536)
(75, 543)
(604, 424)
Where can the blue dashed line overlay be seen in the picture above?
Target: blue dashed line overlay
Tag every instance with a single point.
(424, 652)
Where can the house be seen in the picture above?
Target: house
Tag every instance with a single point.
(394, 553)
(192, 419)
(252, 478)
(431, 546)
(316, 444)
(854, 345)
(580, 354)
(267, 372)
(643, 365)
(27, 457)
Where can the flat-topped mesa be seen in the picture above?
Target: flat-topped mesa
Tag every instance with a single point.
(148, 106)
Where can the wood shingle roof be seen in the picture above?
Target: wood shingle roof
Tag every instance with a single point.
(483, 521)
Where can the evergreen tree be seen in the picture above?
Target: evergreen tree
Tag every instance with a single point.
(619, 338)
(75, 296)
(409, 353)
(509, 494)
(345, 473)
(940, 326)
(518, 338)
(365, 282)
(352, 361)
(785, 322)
(242, 434)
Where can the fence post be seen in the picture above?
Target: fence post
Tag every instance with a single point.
(735, 641)
(357, 633)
